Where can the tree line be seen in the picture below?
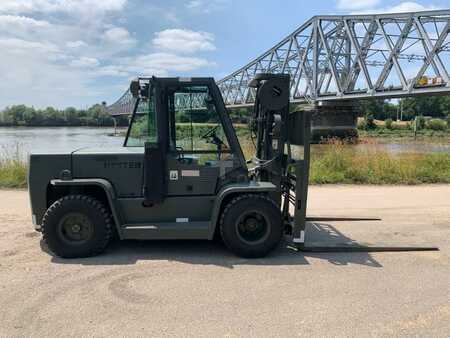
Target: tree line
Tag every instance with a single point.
(22, 115)
(406, 109)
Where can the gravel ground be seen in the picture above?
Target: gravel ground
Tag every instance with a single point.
(199, 289)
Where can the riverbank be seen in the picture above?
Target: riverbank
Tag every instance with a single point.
(13, 169)
(338, 164)
(334, 164)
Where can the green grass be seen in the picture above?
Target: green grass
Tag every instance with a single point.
(13, 169)
(338, 164)
(403, 133)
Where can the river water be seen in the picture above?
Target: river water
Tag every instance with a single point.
(42, 139)
(29, 139)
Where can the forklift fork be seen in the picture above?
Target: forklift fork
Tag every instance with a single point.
(296, 181)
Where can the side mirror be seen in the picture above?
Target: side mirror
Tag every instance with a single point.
(135, 88)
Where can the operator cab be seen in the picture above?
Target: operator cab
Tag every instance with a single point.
(187, 133)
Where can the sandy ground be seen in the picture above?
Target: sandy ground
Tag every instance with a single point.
(199, 289)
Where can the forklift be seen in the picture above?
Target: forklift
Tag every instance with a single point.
(181, 174)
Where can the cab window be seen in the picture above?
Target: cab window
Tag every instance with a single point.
(195, 123)
(143, 124)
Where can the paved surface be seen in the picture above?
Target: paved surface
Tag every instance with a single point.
(199, 289)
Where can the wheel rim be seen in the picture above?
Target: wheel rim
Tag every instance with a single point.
(75, 228)
(253, 227)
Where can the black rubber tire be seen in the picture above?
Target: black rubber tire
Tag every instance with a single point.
(233, 212)
(89, 207)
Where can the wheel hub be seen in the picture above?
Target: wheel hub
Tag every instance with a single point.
(75, 228)
(252, 224)
(253, 227)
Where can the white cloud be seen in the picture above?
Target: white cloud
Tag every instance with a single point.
(357, 4)
(409, 7)
(76, 44)
(159, 64)
(205, 6)
(68, 6)
(112, 70)
(67, 46)
(169, 62)
(85, 62)
(20, 46)
(183, 40)
(119, 36)
(194, 4)
(403, 7)
(12, 22)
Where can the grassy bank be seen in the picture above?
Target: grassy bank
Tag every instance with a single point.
(13, 170)
(424, 134)
(336, 163)
(339, 164)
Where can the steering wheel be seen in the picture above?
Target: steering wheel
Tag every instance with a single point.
(210, 132)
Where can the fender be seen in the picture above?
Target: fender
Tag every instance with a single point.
(105, 185)
(241, 188)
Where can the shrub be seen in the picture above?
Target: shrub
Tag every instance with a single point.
(370, 122)
(13, 169)
(436, 124)
(401, 126)
(389, 124)
(362, 125)
(420, 120)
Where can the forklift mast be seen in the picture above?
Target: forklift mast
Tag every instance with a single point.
(269, 124)
(277, 130)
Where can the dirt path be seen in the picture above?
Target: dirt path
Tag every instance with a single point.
(199, 289)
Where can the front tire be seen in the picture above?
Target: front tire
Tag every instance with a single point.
(77, 226)
(251, 226)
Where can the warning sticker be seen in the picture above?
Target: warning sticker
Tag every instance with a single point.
(173, 175)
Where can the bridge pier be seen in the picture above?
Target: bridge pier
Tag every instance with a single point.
(335, 119)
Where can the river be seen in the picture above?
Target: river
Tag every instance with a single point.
(30, 139)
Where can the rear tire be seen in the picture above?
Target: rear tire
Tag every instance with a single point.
(251, 226)
(77, 226)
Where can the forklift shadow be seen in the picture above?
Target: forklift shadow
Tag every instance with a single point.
(215, 253)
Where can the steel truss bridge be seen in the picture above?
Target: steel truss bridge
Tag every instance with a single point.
(334, 58)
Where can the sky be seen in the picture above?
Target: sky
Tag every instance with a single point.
(80, 52)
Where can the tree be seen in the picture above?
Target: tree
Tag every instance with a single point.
(373, 107)
(434, 106)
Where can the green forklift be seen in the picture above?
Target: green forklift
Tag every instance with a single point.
(181, 174)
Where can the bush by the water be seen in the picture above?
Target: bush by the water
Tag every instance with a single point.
(368, 123)
(420, 122)
(436, 124)
(389, 124)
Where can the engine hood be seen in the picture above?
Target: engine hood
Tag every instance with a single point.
(108, 151)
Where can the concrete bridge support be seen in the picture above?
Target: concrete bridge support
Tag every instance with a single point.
(334, 119)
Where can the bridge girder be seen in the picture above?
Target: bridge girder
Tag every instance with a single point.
(352, 57)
